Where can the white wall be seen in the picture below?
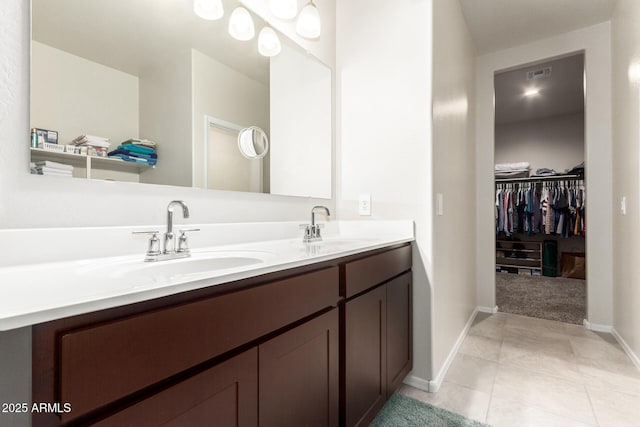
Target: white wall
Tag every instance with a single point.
(224, 93)
(383, 59)
(595, 41)
(165, 118)
(626, 137)
(36, 201)
(552, 142)
(454, 285)
(75, 96)
(300, 111)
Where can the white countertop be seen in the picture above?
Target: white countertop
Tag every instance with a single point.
(112, 272)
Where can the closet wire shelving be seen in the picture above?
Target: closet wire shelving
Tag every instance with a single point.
(529, 252)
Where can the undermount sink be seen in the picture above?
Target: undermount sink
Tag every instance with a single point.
(197, 264)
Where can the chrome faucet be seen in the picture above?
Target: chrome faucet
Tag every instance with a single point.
(312, 231)
(169, 250)
(169, 237)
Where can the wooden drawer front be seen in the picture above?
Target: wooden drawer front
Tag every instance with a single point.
(368, 272)
(100, 364)
(226, 395)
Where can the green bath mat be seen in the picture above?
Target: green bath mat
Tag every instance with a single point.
(403, 411)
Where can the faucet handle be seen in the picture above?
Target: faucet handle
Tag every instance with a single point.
(183, 246)
(307, 232)
(154, 243)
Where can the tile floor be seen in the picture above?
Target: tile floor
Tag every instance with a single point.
(520, 371)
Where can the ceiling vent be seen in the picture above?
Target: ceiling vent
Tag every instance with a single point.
(541, 73)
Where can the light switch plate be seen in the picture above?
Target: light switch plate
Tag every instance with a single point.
(439, 204)
(364, 205)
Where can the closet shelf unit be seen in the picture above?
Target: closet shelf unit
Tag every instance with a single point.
(534, 179)
(519, 254)
(88, 162)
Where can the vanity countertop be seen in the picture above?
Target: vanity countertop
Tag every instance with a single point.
(44, 291)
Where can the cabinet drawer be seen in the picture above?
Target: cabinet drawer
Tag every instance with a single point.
(100, 364)
(226, 393)
(366, 273)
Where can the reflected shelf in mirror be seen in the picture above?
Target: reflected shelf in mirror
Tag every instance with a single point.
(87, 162)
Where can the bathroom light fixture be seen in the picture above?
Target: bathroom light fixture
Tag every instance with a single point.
(284, 9)
(268, 42)
(532, 92)
(241, 24)
(308, 24)
(208, 9)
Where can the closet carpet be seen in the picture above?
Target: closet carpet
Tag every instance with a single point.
(552, 298)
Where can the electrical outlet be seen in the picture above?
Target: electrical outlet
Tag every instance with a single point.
(364, 205)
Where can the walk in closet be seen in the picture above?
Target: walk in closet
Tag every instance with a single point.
(540, 192)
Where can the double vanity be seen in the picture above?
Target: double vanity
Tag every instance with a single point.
(263, 330)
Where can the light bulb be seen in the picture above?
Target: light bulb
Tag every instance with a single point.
(284, 9)
(308, 24)
(268, 42)
(208, 9)
(241, 24)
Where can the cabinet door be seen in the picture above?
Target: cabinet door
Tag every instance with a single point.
(399, 351)
(365, 357)
(298, 375)
(225, 395)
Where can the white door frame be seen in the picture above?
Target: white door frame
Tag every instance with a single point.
(257, 166)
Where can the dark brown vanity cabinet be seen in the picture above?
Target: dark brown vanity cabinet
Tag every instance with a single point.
(264, 351)
(376, 332)
(298, 375)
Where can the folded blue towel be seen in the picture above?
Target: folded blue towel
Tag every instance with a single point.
(126, 158)
(137, 149)
(132, 154)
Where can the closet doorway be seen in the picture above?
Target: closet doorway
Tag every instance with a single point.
(540, 190)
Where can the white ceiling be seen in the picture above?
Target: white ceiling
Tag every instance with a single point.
(561, 93)
(130, 35)
(500, 24)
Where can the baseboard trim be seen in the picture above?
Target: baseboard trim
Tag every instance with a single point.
(434, 385)
(417, 382)
(597, 327)
(490, 310)
(634, 358)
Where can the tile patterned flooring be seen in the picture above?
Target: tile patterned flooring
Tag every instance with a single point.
(519, 371)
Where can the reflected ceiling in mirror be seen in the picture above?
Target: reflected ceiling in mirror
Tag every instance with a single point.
(153, 70)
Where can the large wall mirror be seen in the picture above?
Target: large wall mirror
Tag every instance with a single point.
(166, 93)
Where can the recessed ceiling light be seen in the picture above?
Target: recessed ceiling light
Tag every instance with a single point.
(532, 92)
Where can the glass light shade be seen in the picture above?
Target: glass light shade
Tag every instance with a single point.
(241, 24)
(208, 9)
(308, 24)
(284, 9)
(268, 42)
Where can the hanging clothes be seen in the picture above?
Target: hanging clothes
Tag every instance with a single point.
(547, 207)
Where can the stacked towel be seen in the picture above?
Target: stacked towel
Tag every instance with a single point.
(50, 168)
(137, 151)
